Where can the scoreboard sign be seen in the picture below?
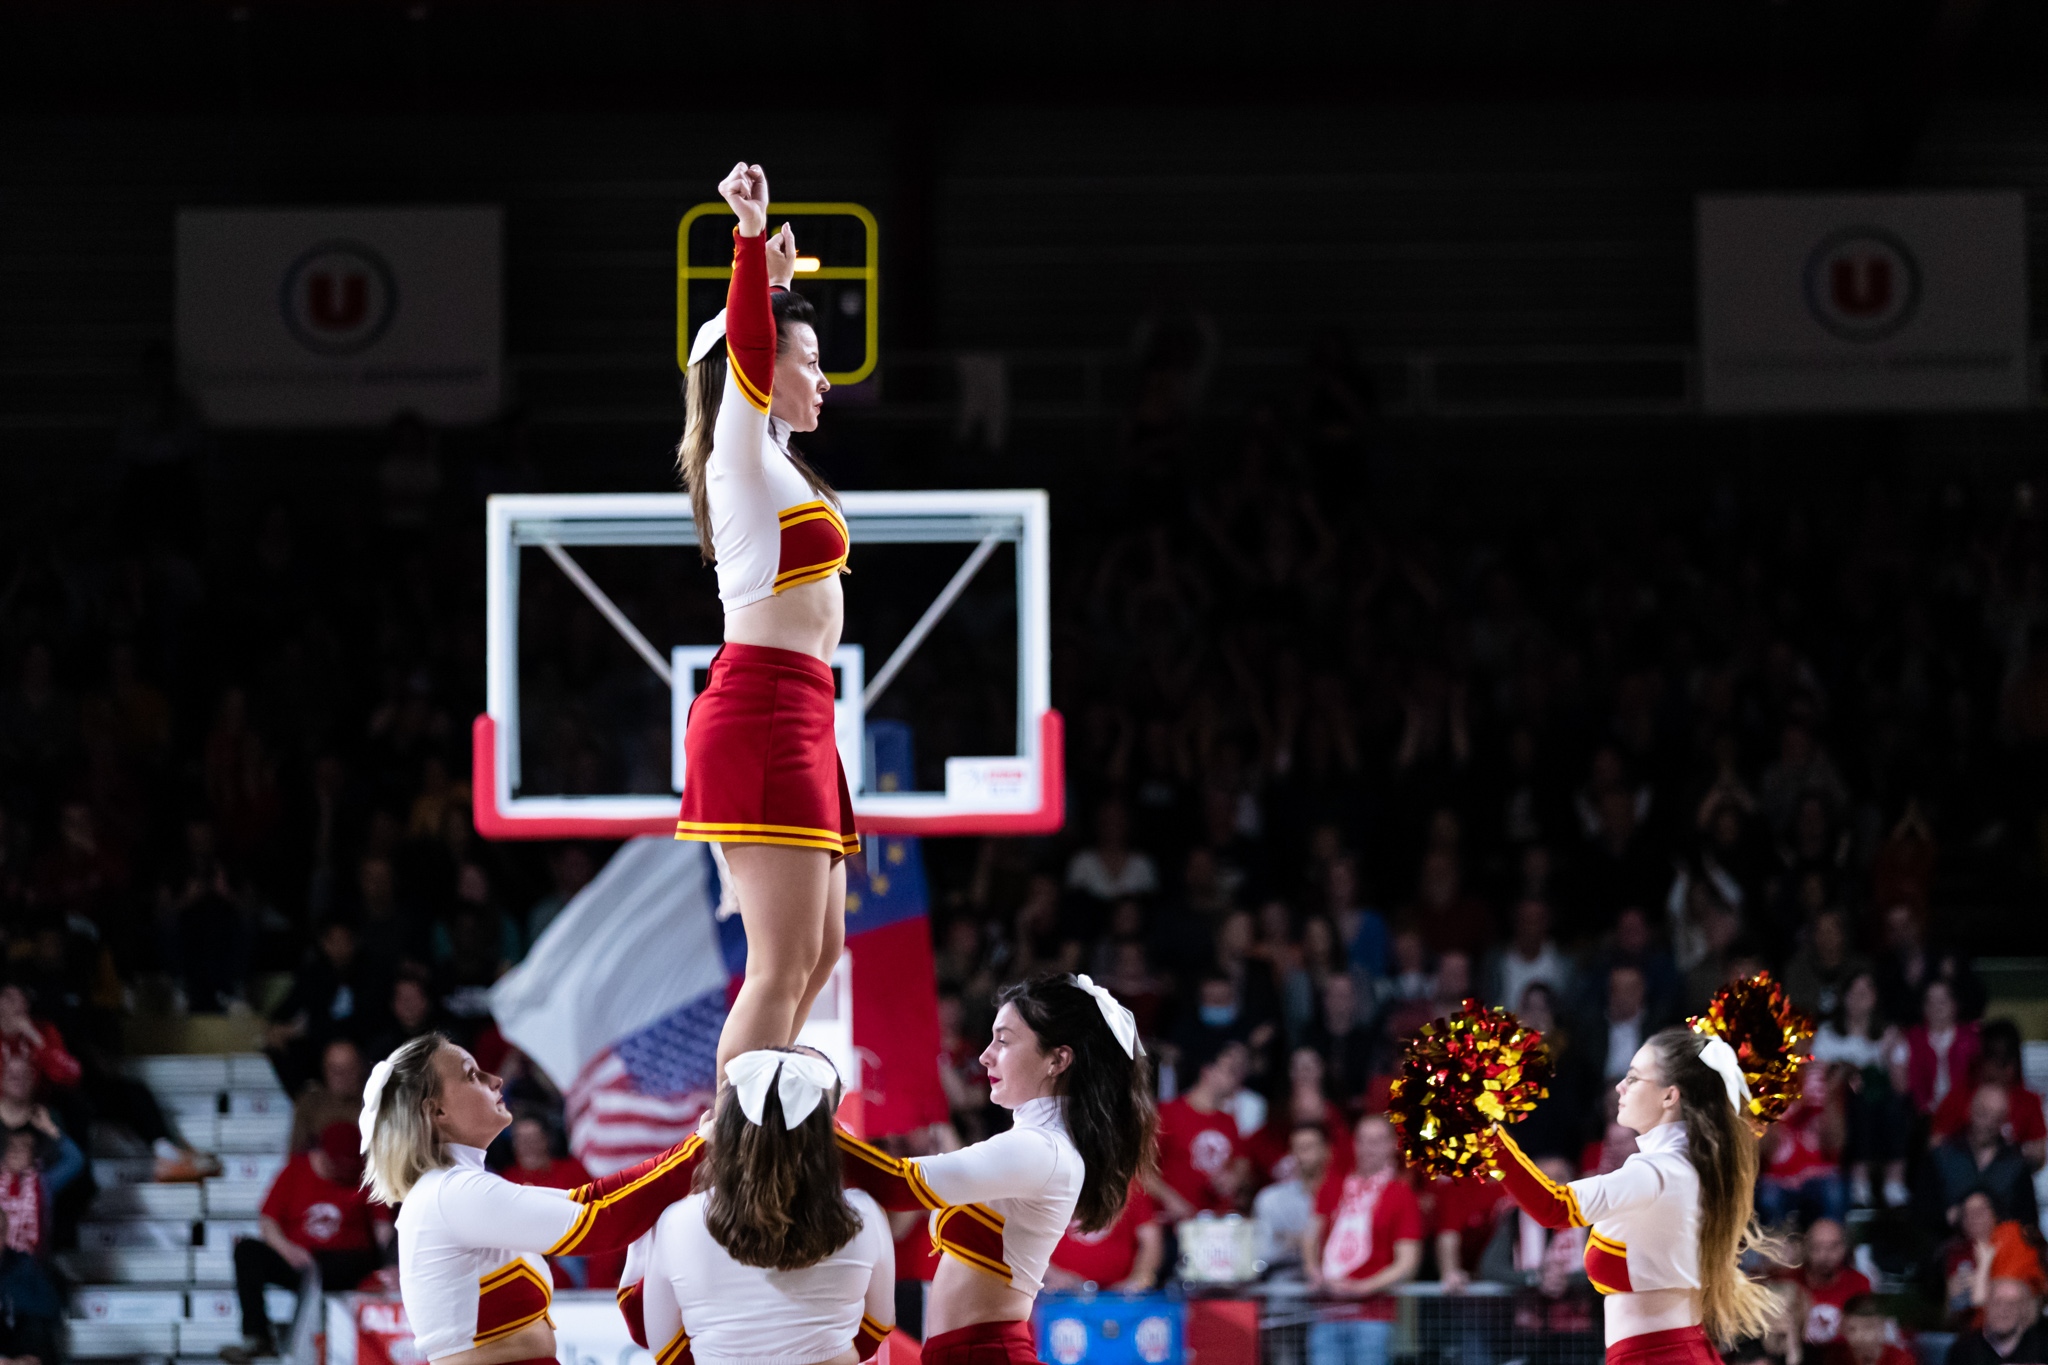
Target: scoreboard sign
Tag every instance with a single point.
(1866, 302)
(838, 270)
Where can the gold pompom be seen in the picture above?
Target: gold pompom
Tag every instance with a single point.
(1459, 1077)
(1758, 1019)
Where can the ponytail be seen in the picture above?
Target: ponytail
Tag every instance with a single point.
(1105, 1096)
(1723, 1152)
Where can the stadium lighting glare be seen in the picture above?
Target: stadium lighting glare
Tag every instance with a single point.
(808, 265)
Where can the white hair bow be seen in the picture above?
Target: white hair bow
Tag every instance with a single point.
(1721, 1057)
(708, 336)
(1121, 1021)
(806, 1079)
(373, 1097)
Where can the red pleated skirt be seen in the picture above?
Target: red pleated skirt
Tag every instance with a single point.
(1679, 1346)
(760, 758)
(985, 1343)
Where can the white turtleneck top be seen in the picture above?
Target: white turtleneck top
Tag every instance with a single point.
(1644, 1217)
(769, 528)
(1007, 1201)
(471, 1243)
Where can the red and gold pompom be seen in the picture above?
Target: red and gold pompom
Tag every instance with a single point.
(1459, 1077)
(1758, 1019)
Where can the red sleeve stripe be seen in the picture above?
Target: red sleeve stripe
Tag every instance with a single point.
(677, 1350)
(748, 388)
(1549, 1203)
(867, 1339)
(893, 1182)
(633, 1308)
(628, 1202)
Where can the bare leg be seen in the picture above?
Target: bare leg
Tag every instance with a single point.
(834, 943)
(782, 898)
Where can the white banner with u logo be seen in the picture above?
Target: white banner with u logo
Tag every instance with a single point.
(1868, 302)
(340, 317)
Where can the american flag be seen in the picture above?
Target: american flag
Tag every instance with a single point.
(645, 1093)
(623, 997)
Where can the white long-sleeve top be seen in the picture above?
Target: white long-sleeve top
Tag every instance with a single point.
(470, 1242)
(470, 1247)
(769, 528)
(698, 1296)
(1007, 1201)
(1644, 1217)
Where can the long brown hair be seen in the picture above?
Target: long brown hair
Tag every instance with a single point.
(776, 1195)
(703, 391)
(1105, 1096)
(1723, 1152)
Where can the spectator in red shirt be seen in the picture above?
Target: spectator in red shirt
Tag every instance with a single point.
(22, 1035)
(1802, 1175)
(1203, 1162)
(1464, 1212)
(1307, 1102)
(316, 1217)
(1986, 1250)
(1941, 1049)
(1828, 1280)
(1998, 1063)
(1124, 1257)
(534, 1163)
(1867, 1337)
(1365, 1239)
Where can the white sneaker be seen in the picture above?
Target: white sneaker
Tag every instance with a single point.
(1859, 1190)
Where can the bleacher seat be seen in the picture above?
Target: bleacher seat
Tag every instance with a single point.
(155, 1262)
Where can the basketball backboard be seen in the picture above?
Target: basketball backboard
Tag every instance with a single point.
(917, 556)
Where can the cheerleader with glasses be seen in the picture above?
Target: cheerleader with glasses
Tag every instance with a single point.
(762, 780)
(1669, 1228)
(471, 1243)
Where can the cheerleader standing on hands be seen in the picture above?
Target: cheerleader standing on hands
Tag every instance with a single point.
(777, 1262)
(1670, 1226)
(762, 779)
(1065, 1060)
(471, 1243)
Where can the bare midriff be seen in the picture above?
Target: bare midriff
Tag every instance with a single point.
(535, 1341)
(807, 618)
(1642, 1312)
(963, 1297)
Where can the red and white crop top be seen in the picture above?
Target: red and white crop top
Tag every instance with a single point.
(769, 528)
(470, 1242)
(1644, 1218)
(999, 1206)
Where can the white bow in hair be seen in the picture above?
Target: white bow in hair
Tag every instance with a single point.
(708, 336)
(806, 1079)
(1721, 1057)
(373, 1096)
(1121, 1021)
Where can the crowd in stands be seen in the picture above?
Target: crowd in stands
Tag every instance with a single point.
(1348, 743)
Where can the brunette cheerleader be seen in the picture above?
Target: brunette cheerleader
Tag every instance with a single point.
(1065, 1060)
(777, 1261)
(471, 1243)
(1668, 1229)
(762, 780)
